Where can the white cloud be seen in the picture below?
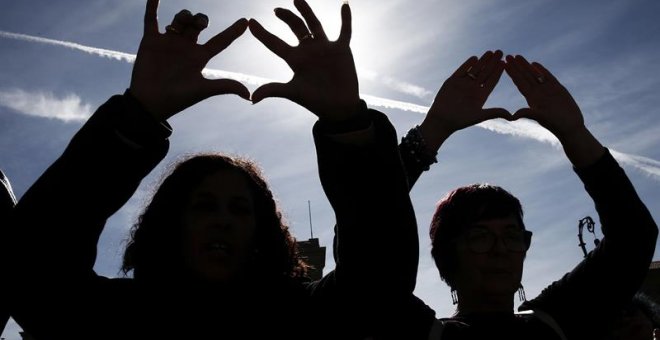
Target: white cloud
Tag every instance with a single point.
(40, 104)
(396, 84)
(87, 49)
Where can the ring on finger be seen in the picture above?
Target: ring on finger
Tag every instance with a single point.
(540, 79)
(172, 29)
(471, 75)
(307, 36)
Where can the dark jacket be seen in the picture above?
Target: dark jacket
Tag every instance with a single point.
(7, 202)
(57, 224)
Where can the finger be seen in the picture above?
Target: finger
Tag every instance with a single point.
(526, 69)
(214, 87)
(489, 66)
(544, 71)
(294, 22)
(523, 113)
(512, 69)
(346, 30)
(151, 17)
(496, 112)
(223, 39)
(494, 76)
(462, 70)
(180, 22)
(312, 21)
(476, 69)
(280, 90)
(271, 41)
(200, 21)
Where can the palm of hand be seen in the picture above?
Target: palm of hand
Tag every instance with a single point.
(554, 108)
(459, 105)
(167, 74)
(324, 81)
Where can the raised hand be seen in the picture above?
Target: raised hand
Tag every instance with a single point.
(167, 74)
(324, 77)
(552, 106)
(459, 102)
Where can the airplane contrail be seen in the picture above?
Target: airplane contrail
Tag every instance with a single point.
(523, 129)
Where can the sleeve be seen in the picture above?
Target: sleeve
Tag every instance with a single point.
(605, 281)
(376, 244)
(57, 223)
(7, 202)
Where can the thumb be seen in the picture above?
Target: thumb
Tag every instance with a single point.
(280, 90)
(213, 87)
(496, 112)
(523, 113)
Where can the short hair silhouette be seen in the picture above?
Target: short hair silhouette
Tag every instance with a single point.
(461, 208)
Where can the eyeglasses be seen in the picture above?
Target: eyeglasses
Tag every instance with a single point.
(482, 240)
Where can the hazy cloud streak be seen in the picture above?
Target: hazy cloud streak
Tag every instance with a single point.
(519, 128)
(87, 49)
(70, 108)
(396, 84)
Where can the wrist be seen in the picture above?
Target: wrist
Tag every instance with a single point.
(435, 133)
(146, 104)
(573, 135)
(348, 120)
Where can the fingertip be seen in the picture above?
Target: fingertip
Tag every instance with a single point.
(256, 96)
(505, 114)
(253, 23)
(241, 25)
(346, 30)
(346, 9)
(201, 21)
(151, 16)
(245, 95)
(521, 113)
(301, 4)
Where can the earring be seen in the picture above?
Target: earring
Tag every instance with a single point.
(521, 293)
(454, 296)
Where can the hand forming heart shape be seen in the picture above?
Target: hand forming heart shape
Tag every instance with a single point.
(167, 75)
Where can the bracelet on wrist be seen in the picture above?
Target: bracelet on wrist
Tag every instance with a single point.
(414, 146)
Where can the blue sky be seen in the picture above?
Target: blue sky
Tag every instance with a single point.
(604, 51)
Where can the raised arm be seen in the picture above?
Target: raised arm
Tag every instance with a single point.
(57, 223)
(376, 245)
(597, 289)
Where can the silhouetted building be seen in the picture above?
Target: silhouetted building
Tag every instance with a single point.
(314, 255)
(651, 285)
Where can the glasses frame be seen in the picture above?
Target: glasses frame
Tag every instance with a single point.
(527, 239)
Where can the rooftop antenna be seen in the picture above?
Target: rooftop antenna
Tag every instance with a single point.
(309, 209)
